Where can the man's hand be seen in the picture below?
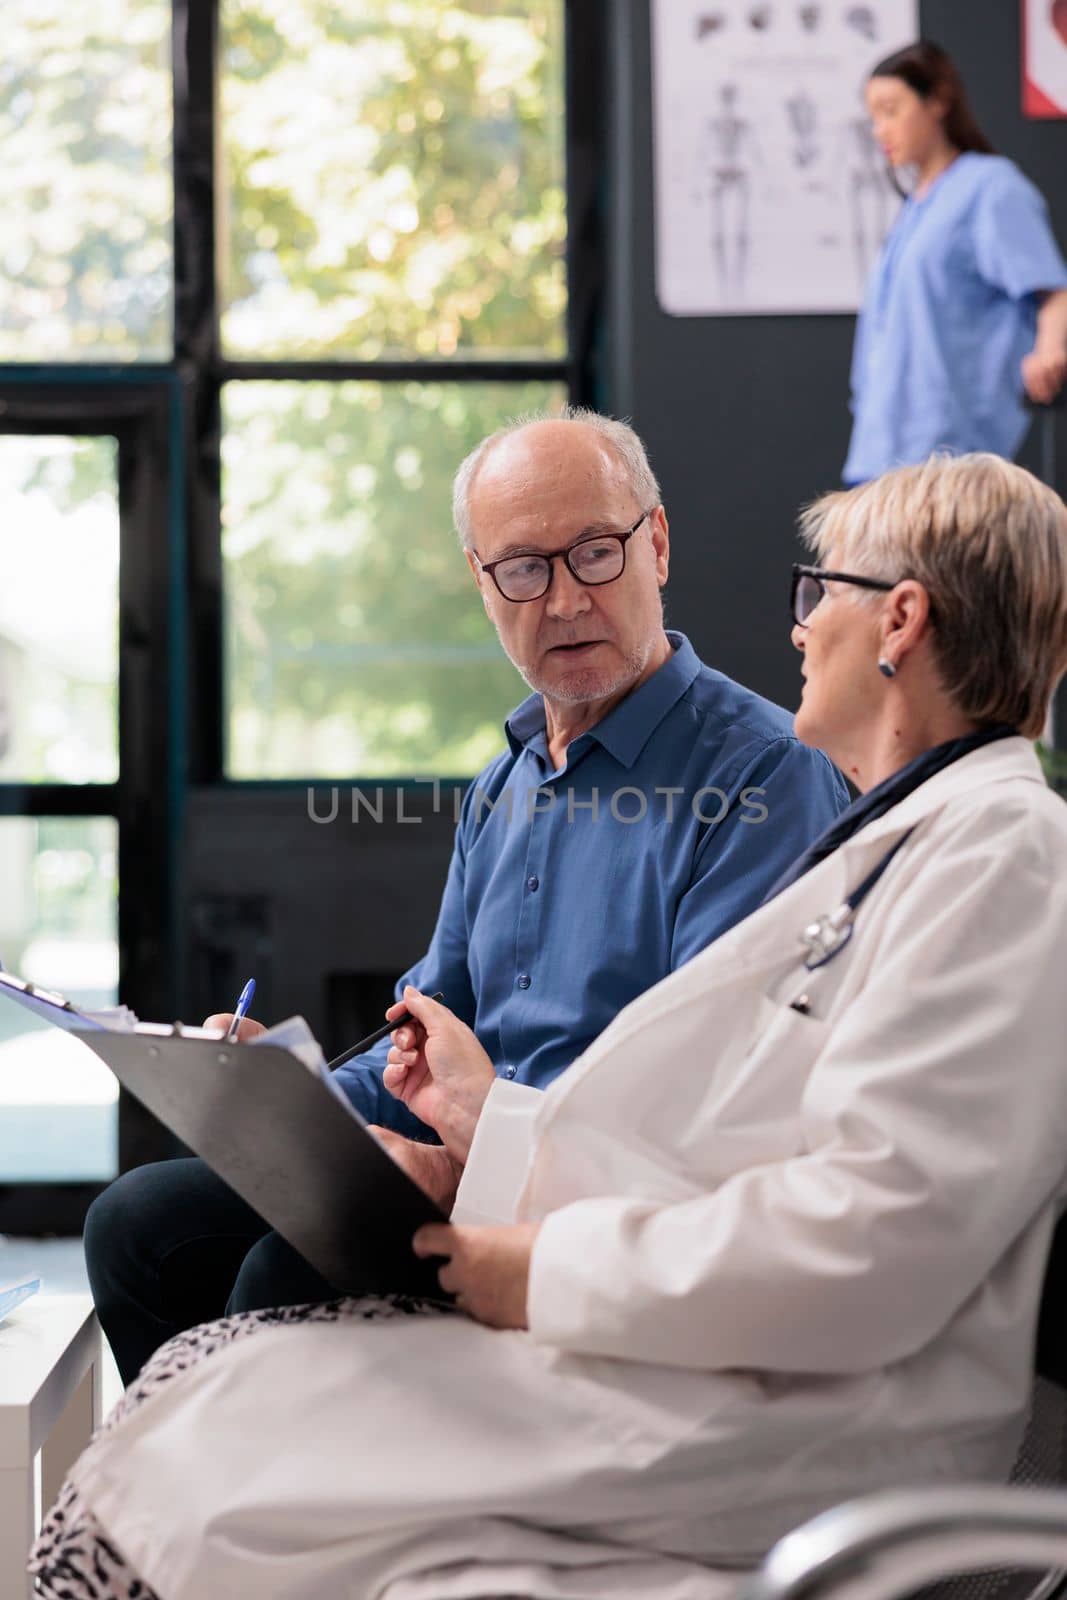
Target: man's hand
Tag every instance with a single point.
(439, 1070)
(488, 1269)
(428, 1165)
(247, 1028)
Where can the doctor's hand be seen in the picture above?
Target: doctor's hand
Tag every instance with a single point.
(439, 1070)
(429, 1165)
(247, 1028)
(488, 1269)
(1044, 371)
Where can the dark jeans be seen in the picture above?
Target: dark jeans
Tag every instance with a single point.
(170, 1245)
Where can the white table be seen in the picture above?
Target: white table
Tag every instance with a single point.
(50, 1351)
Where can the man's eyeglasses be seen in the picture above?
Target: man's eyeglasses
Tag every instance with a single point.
(809, 586)
(598, 558)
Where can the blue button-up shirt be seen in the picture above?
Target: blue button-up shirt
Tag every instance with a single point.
(949, 314)
(571, 892)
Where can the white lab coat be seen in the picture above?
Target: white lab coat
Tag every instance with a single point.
(787, 1258)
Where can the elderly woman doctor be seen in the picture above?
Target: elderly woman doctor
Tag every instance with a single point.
(776, 1238)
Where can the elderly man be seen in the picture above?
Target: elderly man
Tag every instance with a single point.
(645, 803)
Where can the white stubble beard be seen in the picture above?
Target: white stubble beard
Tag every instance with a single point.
(586, 684)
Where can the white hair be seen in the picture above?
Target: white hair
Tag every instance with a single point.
(619, 438)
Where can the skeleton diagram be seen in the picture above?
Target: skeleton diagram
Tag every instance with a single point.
(802, 114)
(727, 147)
(863, 20)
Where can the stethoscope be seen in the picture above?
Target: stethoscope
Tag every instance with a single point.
(828, 935)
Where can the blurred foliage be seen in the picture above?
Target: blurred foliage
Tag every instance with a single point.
(1054, 763)
(85, 185)
(394, 186)
(59, 913)
(393, 178)
(356, 640)
(59, 608)
(69, 469)
(75, 876)
(391, 184)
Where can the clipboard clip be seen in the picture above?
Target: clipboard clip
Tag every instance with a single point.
(35, 991)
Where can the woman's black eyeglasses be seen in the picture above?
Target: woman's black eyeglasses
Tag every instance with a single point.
(809, 586)
(598, 558)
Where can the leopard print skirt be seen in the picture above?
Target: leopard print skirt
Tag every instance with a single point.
(73, 1558)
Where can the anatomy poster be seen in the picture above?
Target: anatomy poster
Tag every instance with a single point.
(1044, 58)
(771, 194)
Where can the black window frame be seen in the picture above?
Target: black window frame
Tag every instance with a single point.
(139, 411)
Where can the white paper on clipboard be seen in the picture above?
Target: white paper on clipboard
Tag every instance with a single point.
(52, 1007)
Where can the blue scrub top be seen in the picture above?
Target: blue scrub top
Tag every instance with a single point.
(949, 314)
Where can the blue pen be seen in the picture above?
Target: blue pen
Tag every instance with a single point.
(241, 1009)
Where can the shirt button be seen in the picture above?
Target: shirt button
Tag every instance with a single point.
(509, 1072)
(524, 980)
(533, 884)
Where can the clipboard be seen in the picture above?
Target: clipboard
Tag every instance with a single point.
(290, 1145)
(284, 1137)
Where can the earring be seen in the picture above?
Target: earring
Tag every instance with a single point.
(886, 668)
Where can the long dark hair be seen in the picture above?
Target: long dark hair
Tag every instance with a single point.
(931, 72)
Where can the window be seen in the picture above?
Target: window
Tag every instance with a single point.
(393, 192)
(86, 554)
(59, 609)
(393, 179)
(269, 269)
(58, 927)
(85, 123)
(355, 640)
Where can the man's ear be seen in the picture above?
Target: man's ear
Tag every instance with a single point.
(477, 576)
(661, 543)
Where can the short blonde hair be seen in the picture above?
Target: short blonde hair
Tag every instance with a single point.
(988, 542)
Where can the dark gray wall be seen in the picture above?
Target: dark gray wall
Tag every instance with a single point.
(745, 417)
(324, 901)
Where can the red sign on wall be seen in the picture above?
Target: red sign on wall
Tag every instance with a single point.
(1044, 58)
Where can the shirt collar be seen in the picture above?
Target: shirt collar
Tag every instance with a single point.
(628, 726)
(944, 179)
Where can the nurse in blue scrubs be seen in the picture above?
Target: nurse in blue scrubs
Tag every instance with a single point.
(966, 309)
